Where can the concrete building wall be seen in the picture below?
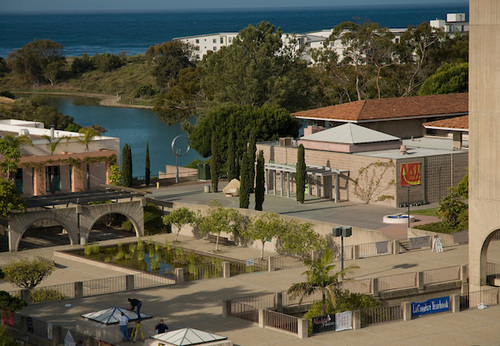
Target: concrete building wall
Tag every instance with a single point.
(484, 141)
(438, 174)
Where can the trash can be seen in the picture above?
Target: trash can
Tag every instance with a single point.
(203, 171)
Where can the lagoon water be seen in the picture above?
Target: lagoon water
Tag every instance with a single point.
(132, 126)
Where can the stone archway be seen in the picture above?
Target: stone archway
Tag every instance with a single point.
(133, 210)
(19, 223)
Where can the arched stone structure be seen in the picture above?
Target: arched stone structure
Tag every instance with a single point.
(77, 220)
(484, 139)
(90, 214)
(19, 223)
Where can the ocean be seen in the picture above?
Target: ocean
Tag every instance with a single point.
(133, 33)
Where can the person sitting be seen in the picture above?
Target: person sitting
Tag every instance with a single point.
(161, 327)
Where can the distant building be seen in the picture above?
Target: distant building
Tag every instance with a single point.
(310, 40)
(454, 23)
(68, 168)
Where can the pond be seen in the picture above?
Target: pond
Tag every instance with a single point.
(163, 259)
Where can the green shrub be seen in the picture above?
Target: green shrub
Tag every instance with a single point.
(42, 295)
(127, 226)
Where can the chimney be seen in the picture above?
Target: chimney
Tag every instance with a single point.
(402, 150)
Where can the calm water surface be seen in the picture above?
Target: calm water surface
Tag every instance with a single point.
(132, 126)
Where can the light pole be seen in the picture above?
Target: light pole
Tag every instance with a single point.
(408, 207)
(342, 232)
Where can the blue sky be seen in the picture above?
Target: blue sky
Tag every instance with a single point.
(124, 5)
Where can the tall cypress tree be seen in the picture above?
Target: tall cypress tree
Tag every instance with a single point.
(245, 184)
(148, 166)
(126, 165)
(214, 166)
(231, 158)
(252, 149)
(259, 182)
(300, 174)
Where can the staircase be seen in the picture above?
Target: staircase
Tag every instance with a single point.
(404, 245)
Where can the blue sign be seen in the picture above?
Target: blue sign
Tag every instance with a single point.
(430, 306)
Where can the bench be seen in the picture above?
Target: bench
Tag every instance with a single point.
(212, 238)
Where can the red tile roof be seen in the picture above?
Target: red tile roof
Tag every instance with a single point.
(392, 108)
(459, 123)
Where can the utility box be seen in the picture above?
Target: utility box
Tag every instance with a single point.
(203, 171)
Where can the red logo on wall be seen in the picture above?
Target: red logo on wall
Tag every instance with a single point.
(410, 174)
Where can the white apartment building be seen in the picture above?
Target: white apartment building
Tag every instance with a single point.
(455, 22)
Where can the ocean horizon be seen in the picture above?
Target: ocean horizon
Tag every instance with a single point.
(133, 32)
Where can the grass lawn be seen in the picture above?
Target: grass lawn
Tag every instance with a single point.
(425, 212)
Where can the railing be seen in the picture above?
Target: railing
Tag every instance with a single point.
(375, 249)
(204, 271)
(103, 286)
(281, 321)
(244, 312)
(381, 314)
(146, 280)
(487, 297)
(363, 286)
(441, 275)
(44, 294)
(264, 301)
(287, 299)
(241, 267)
(397, 281)
(283, 262)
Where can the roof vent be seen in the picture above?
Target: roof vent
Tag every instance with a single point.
(402, 150)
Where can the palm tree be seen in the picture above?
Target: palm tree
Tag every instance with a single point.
(87, 135)
(319, 280)
(52, 142)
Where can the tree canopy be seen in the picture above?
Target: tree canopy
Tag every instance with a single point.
(27, 273)
(38, 61)
(268, 122)
(257, 69)
(448, 79)
(10, 199)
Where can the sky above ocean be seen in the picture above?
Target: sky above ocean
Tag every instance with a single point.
(124, 5)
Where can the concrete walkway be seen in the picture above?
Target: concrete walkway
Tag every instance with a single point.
(198, 304)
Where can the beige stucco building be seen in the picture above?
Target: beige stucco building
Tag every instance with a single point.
(70, 167)
(354, 163)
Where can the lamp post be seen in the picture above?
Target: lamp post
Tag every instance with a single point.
(342, 232)
(408, 207)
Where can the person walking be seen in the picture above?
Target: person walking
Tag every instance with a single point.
(161, 327)
(123, 320)
(135, 303)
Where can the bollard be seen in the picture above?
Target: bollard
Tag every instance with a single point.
(226, 270)
(179, 276)
(129, 283)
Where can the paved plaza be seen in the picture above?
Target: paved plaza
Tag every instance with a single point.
(198, 304)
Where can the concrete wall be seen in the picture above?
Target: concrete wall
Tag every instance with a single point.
(484, 124)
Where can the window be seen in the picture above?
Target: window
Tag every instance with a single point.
(214, 49)
(230, 40)
(52, 178)
(222, 40)
(197, 40)
(19, 180)
(215, 40)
